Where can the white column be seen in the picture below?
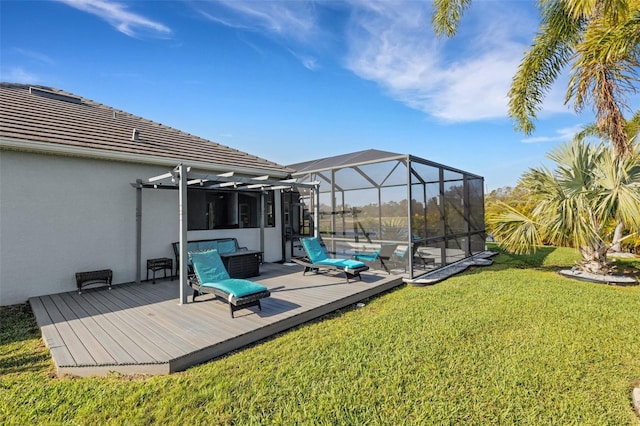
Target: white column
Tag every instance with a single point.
(138, 230)
(182, 214)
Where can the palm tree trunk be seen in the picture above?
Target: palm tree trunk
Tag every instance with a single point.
(594, 260)
(617, 237)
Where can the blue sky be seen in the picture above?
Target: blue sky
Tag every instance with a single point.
(292, 81)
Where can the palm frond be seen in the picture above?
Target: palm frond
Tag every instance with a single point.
(618, 187)
(590, 130)
(605, 70)
(515, 231)
(552, 49)
(633, 127)
(447, 14)
(612, 9)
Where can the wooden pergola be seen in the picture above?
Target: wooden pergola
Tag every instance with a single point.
(181, 178)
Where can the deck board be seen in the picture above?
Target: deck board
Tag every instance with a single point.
(84, 330)
(150, 319)
(142, 328)
(79, 353)
(50, 334)
(95, 325)
(139, 334)
(113, 340)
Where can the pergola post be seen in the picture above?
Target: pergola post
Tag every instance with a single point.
(263, 212)
(182, 214)
(138, 230)
(316, 211)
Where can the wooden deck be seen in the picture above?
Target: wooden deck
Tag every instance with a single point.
(141, 328)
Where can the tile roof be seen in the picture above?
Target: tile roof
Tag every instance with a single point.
(57, 119)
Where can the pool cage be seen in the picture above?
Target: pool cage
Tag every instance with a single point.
(363, 209)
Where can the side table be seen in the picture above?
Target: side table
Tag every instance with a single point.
(103, 276)
(159, 264)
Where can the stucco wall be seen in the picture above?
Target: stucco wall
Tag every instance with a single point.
(61, 215)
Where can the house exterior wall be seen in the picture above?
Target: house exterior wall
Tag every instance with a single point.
(61, 215)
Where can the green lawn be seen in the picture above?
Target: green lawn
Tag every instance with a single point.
(511, 343)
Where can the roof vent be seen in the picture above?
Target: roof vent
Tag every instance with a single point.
(54, 95)
(135, 136)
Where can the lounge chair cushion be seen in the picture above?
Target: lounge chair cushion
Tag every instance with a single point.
(318, 256)
(342, 263)
(400, 252)
(367, 257)
(236, 287)
(314, 250)
(212, 277)
(208, 265)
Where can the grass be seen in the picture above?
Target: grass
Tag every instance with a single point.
(510, 343)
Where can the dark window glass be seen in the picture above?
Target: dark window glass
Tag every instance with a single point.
(227, 209)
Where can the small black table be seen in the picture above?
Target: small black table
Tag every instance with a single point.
(159, 264)
(103, 276)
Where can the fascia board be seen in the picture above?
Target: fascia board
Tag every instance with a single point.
(77, 151)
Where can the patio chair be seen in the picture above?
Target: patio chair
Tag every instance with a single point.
(317, 259)
(382, 255)
(212, 277)
(423, 257)
(400, 258)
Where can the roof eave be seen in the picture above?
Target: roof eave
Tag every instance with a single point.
(75, 151)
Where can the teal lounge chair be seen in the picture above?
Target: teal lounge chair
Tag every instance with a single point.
(317, 259)
(212, 277)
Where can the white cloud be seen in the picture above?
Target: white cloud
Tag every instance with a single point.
(19, 75)
(562, 135)
(291, 19)
(296, 22)
(119, 17)
(307, 61)
(463, 79)
(40, 57)
(396, 47)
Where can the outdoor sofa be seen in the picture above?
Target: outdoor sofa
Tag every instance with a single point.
(240, 262)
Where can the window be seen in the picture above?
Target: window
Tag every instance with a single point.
(227, 209)
(248, 204)
(269, 211)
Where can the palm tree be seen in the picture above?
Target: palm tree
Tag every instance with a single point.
(631, 129)
(601, 38)
(590, 188)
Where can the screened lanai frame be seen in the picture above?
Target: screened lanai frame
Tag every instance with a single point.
(363, 206)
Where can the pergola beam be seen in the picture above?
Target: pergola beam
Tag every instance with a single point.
(224, 180)
(181, 178)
